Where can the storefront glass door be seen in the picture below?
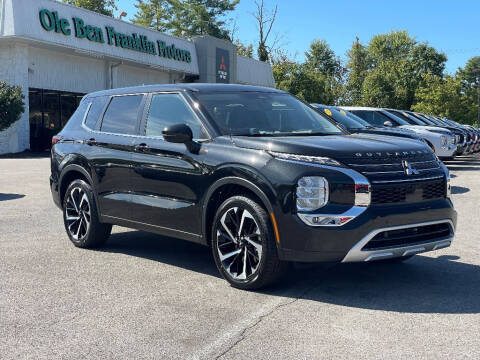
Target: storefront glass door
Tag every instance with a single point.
(49, 112)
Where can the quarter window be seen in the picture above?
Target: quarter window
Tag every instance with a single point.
(171, 109)
(122, 114)
(98, 104)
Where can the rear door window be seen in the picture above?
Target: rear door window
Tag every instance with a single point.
(96, 110)
(122, 115)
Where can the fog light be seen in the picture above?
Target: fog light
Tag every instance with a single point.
(312, 193)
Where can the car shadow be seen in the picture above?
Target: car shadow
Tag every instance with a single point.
(459, 190)
(463, 168)
(184, 254)
(6, 197)
(26, 155)
(422, 284)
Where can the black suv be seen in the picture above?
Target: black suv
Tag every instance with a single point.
(255, 173)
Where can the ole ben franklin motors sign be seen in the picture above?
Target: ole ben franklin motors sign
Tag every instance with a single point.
(51, 21)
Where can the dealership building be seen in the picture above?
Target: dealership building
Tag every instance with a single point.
(57, 53)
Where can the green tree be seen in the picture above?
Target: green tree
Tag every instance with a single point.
(153, 14)
(298, 79)
(469, 74)
(105, 7)
(357, 67)
(244, 50)
(388, 71)
(11, 104)
(320, 57)
(445, 96)
(321, 62)
(201, 17)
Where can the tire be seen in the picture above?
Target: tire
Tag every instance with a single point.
(253, 262)
(80, 216)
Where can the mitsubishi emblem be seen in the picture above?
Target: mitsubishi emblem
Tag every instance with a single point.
(408, 168)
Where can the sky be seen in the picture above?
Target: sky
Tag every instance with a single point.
(450, 26)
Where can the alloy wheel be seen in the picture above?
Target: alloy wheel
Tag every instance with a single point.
(77, 213)
(239, 243)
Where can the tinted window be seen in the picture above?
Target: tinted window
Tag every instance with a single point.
(77, 117)
(262, 113)
(171, 109)
(121, 115)
(341, 117)
(98, 104)
(374, 118)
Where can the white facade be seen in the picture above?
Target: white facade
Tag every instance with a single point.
(42, 48)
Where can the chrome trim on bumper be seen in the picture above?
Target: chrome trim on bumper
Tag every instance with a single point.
(332, 219)
(363, 194)
(356, 254)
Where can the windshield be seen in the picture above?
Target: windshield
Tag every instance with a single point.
(435, 121)
(412, 120)
(424, 119)
(264, 114)
(352, 116)
(340, 117)
(373, 117)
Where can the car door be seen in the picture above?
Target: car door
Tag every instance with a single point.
(168, 179)
(110, 154)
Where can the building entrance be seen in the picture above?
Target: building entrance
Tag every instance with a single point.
(49, 112)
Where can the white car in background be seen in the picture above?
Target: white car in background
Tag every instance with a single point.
(442, 141)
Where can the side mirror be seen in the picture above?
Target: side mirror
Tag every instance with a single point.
(388, 123)
(178, 133)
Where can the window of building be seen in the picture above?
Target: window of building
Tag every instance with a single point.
(122, 114)
(171, 109)
(49, 110)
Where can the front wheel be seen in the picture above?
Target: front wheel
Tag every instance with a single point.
(243, 244)
(80, 216)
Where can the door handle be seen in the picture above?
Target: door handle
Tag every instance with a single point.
(91, 141)
(141, 147)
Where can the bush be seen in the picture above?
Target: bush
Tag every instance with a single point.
(11, 104)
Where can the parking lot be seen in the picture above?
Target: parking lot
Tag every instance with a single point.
(144, 296)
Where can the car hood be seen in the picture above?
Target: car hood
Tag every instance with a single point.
(335, 147)
(436, 129)
(390, 130)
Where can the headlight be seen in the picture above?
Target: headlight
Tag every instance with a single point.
(312, 193)
(443, 140)
(453, 141)
(305, 158)
(457, 139)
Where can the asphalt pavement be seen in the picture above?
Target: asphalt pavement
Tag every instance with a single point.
(148, 297)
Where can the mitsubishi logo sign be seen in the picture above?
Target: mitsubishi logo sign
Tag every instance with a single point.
(223, 66)
(408, 168)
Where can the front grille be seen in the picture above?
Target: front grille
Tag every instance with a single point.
(410, 192)
(389, 165)
(409, 236)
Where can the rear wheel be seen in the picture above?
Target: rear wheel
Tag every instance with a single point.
(80, 217)
(243, 244)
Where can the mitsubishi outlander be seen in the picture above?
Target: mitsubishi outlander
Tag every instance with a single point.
(256, 174)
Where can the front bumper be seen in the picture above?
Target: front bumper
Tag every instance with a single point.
(445, 151)
(358, 253)
(303, 243)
